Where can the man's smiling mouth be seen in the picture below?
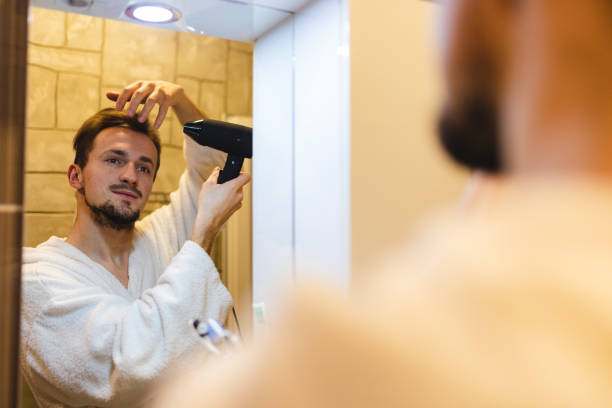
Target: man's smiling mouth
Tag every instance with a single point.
(126, 195)
(126, 192)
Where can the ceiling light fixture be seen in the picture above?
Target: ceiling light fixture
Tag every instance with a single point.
(153, 13)
(80, 3)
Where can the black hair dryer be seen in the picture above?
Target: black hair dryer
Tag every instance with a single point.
(235, 140)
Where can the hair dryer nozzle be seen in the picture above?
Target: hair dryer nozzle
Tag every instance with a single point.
(193, 129)
(228, 137)
(235, 140)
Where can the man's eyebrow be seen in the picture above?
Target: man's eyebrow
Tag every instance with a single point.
(124, 154)
(145, 159)
(119, 152)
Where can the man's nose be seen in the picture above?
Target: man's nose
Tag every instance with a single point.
(129, 174)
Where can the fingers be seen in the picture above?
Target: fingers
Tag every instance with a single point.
(217, 202)
(240, 181)
(126, 94)
(236, 183)
(214, 176)
(151, 101)
(149, 93)
(138, 96)
(161, 114)
(236, 204)
(113, 96)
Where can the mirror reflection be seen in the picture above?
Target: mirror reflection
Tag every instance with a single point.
(77, 66)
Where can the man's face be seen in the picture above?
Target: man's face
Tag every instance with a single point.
(476, 34)
(118, 176)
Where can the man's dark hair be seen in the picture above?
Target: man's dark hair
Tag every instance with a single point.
(106, 118)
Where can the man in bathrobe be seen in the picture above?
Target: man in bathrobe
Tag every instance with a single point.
(106, 309)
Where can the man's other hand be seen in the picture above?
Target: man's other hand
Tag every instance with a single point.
(216, 203)
(149, 93)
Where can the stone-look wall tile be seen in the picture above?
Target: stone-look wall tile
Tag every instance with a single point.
(240, 120)
(177, 136)
(239, 83)
(202, 57)
(172, 166)
(39, 227)
(84, 32)
(167, 126)
(78, 97)
(47, 27)
(40, 105)
(49, 150)
(48, 192)
(191, 87)
(212, 99)
(144, 213)
(150, 207)
(132, 52)
(61, 59)
(156, 200)
(242, 46)
(192, 90)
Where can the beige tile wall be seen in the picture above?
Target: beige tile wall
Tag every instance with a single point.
(74, 59)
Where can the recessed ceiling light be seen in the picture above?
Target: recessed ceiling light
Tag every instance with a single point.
(80, 3)
(153, 13)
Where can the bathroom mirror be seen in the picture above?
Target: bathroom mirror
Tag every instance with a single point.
(75, 58)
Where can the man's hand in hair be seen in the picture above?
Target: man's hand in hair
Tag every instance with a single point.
(151, 93)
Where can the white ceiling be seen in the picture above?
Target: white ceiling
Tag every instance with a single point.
(287, 5)
(241, 20)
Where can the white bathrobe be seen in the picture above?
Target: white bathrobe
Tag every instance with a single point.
(510, 307)
(89, 341)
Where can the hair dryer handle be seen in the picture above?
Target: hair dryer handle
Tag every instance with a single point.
(233, 164)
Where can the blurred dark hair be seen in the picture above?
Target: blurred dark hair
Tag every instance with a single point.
(107, 118)
(470, 134)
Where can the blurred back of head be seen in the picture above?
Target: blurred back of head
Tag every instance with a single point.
(528, 85)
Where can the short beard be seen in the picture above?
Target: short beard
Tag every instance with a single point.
(106, 215)
(470, 134)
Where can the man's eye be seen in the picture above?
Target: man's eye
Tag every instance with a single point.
(144, 170)
(112, 161)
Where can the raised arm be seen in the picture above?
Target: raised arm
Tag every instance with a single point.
(193, 212)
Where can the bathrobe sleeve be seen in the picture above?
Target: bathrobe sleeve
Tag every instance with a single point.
(85, 346)
(170, 226)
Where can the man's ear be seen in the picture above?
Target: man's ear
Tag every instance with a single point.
(75, 176)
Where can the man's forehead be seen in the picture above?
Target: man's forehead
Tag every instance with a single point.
(127, 138)
(128, 141)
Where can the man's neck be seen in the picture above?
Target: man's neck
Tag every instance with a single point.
(569, 146)
(558, 122)
(103, 244)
